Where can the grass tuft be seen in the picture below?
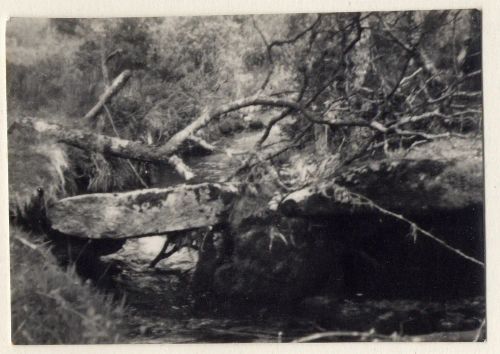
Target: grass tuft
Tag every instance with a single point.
(35, 164)
(51, 305)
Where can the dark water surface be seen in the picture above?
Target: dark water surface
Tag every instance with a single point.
(160, 309)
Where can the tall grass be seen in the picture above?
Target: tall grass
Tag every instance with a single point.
(35, 165)
(51, 305)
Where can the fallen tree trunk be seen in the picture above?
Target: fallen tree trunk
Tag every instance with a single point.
(107, 145)
(202, 144)
(137, 150)
(117, 84)
(142, 213)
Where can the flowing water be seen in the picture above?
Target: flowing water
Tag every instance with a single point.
(160, 307)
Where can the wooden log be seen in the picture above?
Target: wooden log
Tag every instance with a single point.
(181, 167)
(106, 145)
(202, 144)
(142, 213)
(138, 150)
(110, 91)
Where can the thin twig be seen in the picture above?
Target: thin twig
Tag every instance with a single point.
(248, 165)
(297, 36)
(269, 55)
(415, 227)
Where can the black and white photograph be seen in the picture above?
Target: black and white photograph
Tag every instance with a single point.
(270, 178)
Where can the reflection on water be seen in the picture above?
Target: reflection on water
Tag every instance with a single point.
(149, 246)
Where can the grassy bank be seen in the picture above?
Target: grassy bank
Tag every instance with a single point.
(51, 305)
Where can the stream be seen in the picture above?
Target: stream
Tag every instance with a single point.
(160, 307)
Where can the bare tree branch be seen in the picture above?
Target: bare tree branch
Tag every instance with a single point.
(299, 35)
(112, 54)
(117, 84)
(285, 113)
(414, 227)
(104, 66)
(268, 53)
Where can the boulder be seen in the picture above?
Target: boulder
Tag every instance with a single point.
(407, 186)
(277, 264)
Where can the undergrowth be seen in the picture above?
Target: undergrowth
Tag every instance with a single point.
(34, 165)
(51, 305)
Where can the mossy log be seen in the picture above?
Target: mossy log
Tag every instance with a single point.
(142, 213)
(108, 145)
